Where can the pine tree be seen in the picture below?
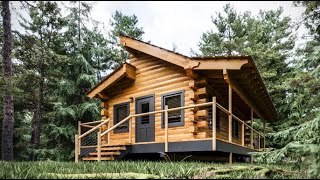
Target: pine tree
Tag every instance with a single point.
(267, 37)
(122, 25)
(78, 76)
(299, 138)
(43, 31)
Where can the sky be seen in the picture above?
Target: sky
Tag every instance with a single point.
(169, 23)
(178, 23)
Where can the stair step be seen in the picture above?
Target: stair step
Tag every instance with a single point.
(105, 153)
(120, 148)
(95, 158)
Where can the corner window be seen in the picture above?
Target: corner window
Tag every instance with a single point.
(121, 111)
(235, 128)
(173, 100)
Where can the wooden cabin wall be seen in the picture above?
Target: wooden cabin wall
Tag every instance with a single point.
(154, 76)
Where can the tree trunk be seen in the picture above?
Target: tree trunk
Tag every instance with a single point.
(35, 138)
(8, 119)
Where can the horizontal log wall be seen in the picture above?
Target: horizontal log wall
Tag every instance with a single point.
(154, 76)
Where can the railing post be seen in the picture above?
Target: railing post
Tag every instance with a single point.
(214, 117)
(99, 145)
(259, 142)
(166, 128)
(130, 130)
(242, 134)
(79, 134)
(264, 136)
(109, 126)
(76, 149)
(230, 114)
(251, 133)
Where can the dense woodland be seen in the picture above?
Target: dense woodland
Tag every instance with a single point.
(47, 68)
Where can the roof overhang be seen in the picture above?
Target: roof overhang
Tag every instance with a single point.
(124, 71)
(243, 76)
(158, 52)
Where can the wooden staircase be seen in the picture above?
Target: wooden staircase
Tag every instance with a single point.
(109, 152)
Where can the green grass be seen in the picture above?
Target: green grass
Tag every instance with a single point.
(143, 170)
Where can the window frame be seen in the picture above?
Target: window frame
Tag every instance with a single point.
(115, 107)
(170, 94)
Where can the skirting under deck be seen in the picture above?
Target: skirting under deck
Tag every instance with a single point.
(190, 146)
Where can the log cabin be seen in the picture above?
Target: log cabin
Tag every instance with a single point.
(163, 103)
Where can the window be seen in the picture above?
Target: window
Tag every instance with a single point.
(173, 100)
(145, 109)
(235, 128)
(121, 111)
(217, 119)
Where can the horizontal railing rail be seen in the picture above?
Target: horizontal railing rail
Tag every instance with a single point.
(128, 118)
(93, 129)
(176, 109)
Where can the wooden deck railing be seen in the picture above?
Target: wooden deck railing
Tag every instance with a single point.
(214, 105)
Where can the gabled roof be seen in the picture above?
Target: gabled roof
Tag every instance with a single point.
(169, 56)
(239, 71)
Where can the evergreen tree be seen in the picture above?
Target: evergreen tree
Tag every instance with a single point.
(78, 76)
(299, 138)
(43, 31)
(122, 25)
(267, 37)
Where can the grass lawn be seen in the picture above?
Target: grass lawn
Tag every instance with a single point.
(144, 170)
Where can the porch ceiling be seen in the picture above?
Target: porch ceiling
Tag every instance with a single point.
(249, 90)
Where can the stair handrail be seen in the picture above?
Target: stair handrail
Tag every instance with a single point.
(94, 128)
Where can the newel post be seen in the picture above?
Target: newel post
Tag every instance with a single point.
(76, 149)
(130, 130)
(99, 144)
(79, 134)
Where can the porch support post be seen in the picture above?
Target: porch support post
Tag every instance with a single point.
(230, 158)
(166, 128)
(226, 78)
(242, 134)
(230, 113)
(214, 117)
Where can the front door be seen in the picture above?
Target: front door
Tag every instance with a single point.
(145, 124)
